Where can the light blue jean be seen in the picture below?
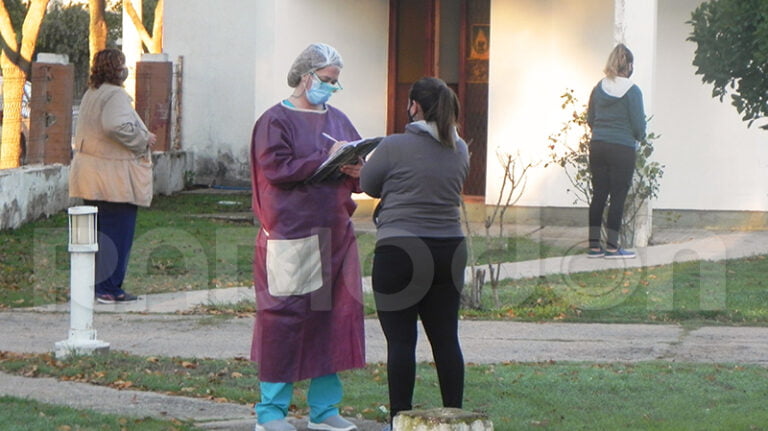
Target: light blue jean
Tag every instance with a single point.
(324, 394)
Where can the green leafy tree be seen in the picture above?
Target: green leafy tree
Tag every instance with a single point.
(63, 31)
(732, 53)
(16, 10)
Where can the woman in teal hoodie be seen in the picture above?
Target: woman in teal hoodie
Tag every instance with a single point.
(617, 119)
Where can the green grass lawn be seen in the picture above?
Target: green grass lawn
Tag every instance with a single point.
(725, 292)
(178, 246)
(25, 415)
(693, 293)
(516, 396)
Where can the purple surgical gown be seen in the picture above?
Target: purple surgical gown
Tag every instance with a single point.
(317, 330)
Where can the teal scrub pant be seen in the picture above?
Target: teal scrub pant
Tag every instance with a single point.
(324, 394)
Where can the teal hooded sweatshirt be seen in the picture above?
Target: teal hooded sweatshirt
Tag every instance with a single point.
(615, 112)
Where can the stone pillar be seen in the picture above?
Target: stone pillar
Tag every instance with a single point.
(441, 419)
(50, 120)
(154, 82)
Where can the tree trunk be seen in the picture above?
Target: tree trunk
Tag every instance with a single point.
(97, 31)
(157, 29)
(13, 88)
(16, 63)
(153, 43)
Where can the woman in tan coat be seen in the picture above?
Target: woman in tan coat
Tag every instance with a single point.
(111, 169)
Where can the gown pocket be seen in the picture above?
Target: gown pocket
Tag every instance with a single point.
(294, 266)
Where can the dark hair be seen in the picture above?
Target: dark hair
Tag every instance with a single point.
(440, 105)
(107, 67)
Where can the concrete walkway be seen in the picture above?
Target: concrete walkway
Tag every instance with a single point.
(150, 327)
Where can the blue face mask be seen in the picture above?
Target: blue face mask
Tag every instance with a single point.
(320, 91)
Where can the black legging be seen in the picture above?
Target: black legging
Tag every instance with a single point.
(420, 278)
(612, 167)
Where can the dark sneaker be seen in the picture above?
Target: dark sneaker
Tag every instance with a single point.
(126, 297)
(275, 425)
(333, 423)
(105, 298)
(591, 253)
(620, 254)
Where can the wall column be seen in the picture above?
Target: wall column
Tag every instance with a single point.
(635, 25)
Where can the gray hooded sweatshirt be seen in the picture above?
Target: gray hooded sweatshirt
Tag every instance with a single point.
(419, 181)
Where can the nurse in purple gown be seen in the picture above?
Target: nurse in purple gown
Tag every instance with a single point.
(309, 319)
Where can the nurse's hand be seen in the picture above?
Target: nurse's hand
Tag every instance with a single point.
(353, 170)
(336, 146)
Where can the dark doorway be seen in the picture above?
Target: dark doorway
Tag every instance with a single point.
(449, 39)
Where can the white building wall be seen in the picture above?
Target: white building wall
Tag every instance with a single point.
(236, 57)
(540, 47)
(237, 54)
(713, 161)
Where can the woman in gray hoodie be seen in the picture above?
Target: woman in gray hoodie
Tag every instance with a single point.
(418, 264)
(617, 119)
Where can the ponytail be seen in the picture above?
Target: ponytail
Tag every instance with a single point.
(619, 62)
(440, 105)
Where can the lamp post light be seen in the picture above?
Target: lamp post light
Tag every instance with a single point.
(83, 246)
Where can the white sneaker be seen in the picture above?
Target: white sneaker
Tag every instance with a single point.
(275, 425)
(333, 423)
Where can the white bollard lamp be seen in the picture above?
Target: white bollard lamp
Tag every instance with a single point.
(83, 246)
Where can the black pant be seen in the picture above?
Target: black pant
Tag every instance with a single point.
(420, 278)
(612, 167)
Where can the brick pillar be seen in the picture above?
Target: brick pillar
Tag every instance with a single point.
(50, 119)
(154, 75)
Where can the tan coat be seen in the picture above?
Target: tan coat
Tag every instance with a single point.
(112, 160)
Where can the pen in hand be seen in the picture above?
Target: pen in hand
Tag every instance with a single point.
(336, 143)
(330, 137)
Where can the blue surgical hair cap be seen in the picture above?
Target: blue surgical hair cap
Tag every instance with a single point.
(315, 56)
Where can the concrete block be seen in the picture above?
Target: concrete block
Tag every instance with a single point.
(161, 57)
(30, 192)
(52, 58)
(169, 170)
(441, 419)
